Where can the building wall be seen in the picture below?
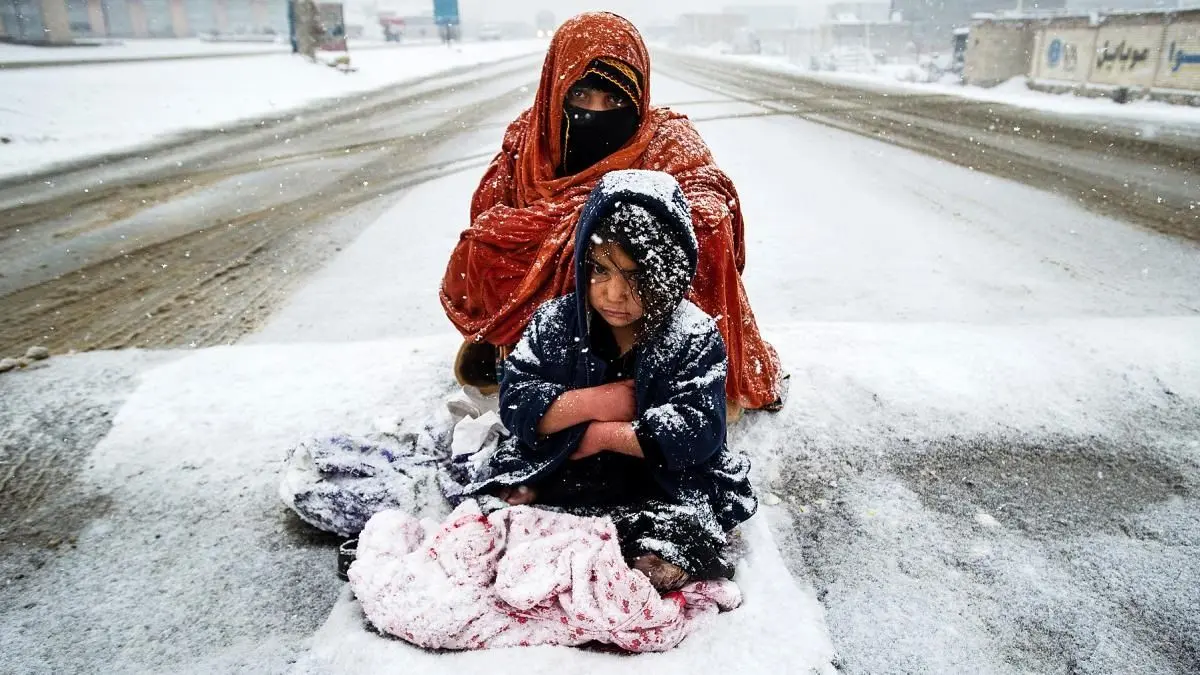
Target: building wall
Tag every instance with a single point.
(201, 16)
(706, 29)
(22, 19)
(240, 15)
(159, 20)
(893, 39)
(878, 12)
(767, 17)
(95, 10)
(1139, 51)
(56, 22)
(935, 20)
(1127, 52)
(137, 18)
(179, 20)
(1174, 70)
(117, 18)
(78, 21)
(998, 51)
(1064, 53)
(221, 15)
(64, 20)
(801, 46)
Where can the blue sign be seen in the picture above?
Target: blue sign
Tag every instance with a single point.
(445, 12)
(1054, 54)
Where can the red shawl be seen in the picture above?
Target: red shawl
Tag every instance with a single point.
(517, 252)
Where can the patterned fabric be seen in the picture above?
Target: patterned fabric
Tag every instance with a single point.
(616, 77)
(336, 483)
(519, 577)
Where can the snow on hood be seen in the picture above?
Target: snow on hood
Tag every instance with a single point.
(653, 218)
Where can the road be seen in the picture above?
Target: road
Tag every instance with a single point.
(990, 461)
(1118, 168)
(194, 245)
(997, 463)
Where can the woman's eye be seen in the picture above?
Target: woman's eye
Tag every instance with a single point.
(598, 270)
(616, 101)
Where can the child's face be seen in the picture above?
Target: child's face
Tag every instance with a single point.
(612, 290)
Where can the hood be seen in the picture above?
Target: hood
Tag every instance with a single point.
(656, 225)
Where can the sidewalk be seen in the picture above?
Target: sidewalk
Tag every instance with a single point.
(15, 57)
(115, 51)
(1013, 93)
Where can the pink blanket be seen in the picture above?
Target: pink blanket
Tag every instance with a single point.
(521, 576)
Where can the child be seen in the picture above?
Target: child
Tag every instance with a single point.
(615, 396)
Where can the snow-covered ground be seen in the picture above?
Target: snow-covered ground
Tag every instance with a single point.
(1014, 92)
(137, 50)
(913, 302)
(54, 115)
(111, 50)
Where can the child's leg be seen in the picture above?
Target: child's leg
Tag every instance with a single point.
(517, 496)
(685, 536)
(664, 576)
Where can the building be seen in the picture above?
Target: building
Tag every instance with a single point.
(889, 39)
(772, 26)
(934, 21)
(1084, 6)
(1152, 53)
(874, 12)
(998, 50)
(708, 29)
(760, 18)
(1131, 53)
(62, 21)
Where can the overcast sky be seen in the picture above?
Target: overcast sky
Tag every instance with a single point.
(637, 10)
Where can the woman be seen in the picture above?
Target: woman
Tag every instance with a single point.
(592, 115)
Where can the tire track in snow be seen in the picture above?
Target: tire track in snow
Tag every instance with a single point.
(1109, 169)
(211, 278)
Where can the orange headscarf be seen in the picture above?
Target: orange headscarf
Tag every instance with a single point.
(577, 43)
(518, 250)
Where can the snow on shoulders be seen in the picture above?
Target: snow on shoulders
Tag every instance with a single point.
(553, 313)
(691, 320)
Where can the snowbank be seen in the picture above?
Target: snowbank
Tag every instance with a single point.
(1014, 92)
(52, 115)
(192, 526)
(112, 50)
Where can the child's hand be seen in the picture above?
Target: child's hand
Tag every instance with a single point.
(517, 496)
(613, 402)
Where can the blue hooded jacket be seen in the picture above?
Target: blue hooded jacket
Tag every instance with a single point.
(680, 366)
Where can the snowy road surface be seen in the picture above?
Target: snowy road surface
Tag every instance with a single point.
(57, 117)
(990, 461)
(195, 243)
(1141, 171)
